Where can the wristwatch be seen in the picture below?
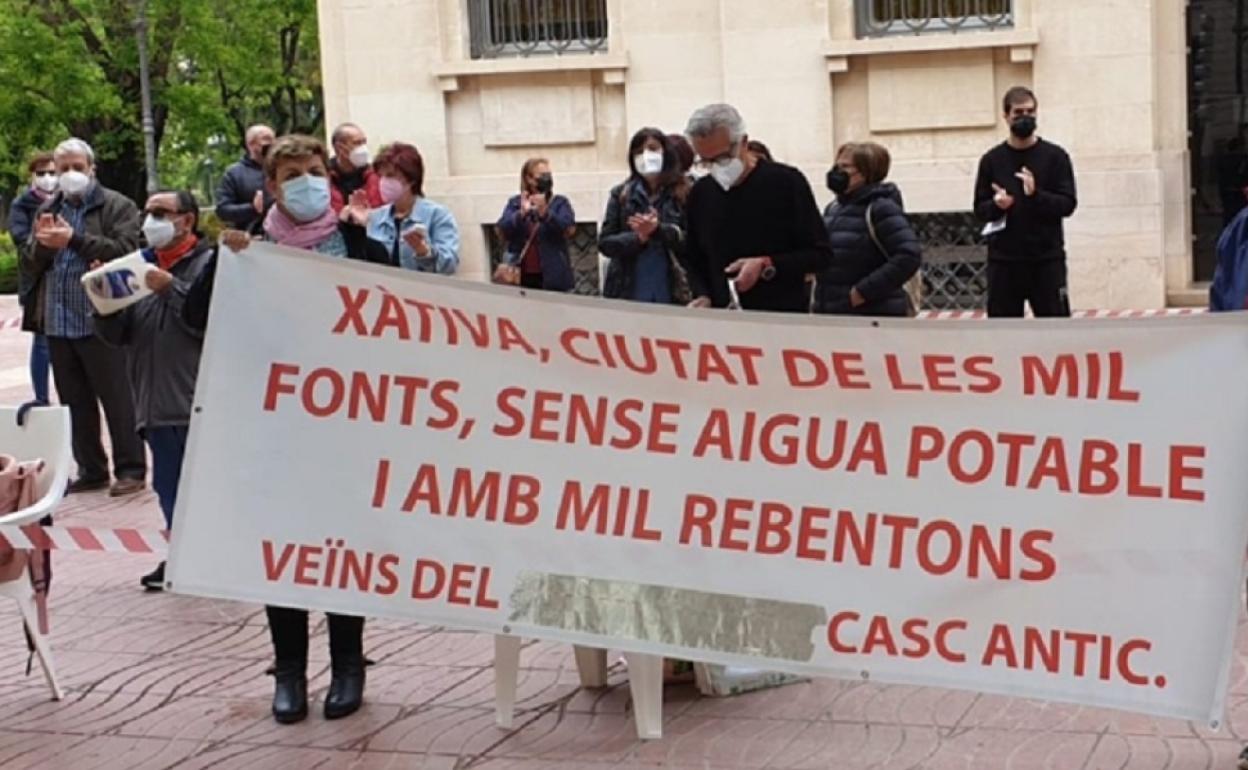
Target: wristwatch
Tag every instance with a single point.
(769, 269)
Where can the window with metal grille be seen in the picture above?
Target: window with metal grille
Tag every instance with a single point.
(955, 261)
(582, 251)
(881, 18)
(501, 28)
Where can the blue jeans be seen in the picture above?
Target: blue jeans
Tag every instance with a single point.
(168, 445)
(40, 362)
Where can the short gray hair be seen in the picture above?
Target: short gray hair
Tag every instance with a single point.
(253, 130)
(713, 117)
(74, 146)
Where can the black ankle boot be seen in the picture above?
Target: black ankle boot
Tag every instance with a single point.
(290, 692)
(346, 687)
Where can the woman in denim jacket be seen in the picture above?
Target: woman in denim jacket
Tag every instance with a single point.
(417, 233)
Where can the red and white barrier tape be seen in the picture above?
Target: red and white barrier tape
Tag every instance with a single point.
(15, 324)
(31, 536)
(955, 315)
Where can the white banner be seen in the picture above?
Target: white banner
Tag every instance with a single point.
(1050, 509)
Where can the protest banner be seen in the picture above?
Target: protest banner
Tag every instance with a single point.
(1048, 509)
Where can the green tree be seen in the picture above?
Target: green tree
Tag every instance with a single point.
(70, 67)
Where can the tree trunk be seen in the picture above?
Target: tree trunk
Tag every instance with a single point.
(126, 172)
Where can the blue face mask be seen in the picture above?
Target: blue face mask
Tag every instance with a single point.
(306, 197)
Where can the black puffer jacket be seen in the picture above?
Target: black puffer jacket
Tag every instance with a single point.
(879, 276)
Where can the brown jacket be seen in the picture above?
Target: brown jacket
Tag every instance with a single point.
(110, 230)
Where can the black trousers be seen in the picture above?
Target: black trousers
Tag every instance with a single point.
(1040, 284)
(289, 629)
(90, 374)
(531, 280)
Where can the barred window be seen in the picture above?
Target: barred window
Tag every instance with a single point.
(881, 18)
(501, 28)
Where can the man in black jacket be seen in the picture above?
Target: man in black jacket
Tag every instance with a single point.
(240, 196)
(750, 220)
(84, 223)
(1025, 188)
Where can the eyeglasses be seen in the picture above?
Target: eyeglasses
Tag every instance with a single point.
(723, 159)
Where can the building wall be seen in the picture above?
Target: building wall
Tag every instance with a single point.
(1110, 77)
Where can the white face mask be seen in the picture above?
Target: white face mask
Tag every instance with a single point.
(648, 163)
(728, 173)
(360, 156)
(159, 232)
(47, 183)
(75, 182)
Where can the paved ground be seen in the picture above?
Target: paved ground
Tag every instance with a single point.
(160, 681)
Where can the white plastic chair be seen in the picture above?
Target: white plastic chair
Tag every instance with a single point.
(645, 682)
(46, 436)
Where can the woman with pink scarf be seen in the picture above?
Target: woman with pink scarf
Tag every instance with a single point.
(296, 174)
(297, 177)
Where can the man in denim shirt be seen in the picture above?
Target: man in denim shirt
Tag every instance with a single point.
(82, 224)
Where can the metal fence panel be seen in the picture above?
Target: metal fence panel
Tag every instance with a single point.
(955, 261)
(582, 251)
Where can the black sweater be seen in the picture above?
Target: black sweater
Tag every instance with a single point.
(1034, 224)
(771, 214)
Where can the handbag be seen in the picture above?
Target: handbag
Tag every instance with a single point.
(508, 274)
(914, 286)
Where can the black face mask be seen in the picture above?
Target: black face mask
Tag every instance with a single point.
(1024, 127)
(545, 184)
(838, 180)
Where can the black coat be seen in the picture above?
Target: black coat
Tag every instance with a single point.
(21, 227)
(880, 275)
(622, 246)
(236, 194)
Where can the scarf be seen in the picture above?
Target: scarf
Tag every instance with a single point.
(167, 258)
(285, 231)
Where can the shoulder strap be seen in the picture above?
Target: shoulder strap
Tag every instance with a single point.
(871, 230)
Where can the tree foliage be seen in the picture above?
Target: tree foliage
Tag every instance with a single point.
(70, 67)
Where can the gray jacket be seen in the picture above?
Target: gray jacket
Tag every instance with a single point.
(110, 230)
(163, 352)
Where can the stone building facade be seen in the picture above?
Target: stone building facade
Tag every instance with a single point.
(481, 85)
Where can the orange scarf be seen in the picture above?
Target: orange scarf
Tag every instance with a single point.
(168, 258)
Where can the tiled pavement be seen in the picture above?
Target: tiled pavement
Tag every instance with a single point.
(162, 681)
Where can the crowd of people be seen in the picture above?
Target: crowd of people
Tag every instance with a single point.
(706, 218)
